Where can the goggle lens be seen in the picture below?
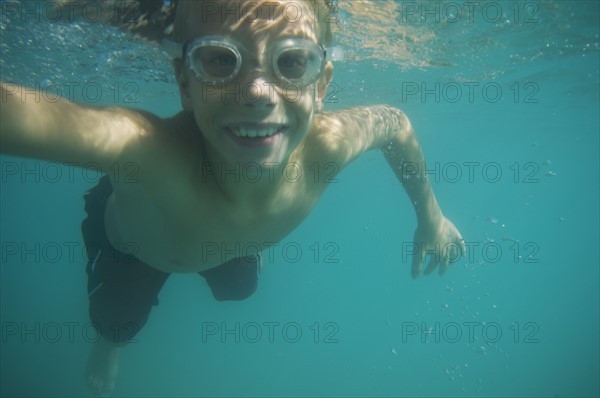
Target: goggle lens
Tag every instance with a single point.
(216, 62)
(294, 64)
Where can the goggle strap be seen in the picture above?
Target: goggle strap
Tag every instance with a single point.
(334, 54)
(174, 49)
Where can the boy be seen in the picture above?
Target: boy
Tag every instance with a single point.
(251, 80)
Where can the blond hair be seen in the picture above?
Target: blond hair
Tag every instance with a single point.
(322, 15)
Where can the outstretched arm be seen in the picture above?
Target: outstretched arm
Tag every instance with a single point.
(435, 235)
(357, 130)
(62, 131)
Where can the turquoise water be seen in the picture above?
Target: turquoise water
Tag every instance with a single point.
(517, 173)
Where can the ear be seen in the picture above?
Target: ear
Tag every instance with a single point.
(183, 83)
(323, 84)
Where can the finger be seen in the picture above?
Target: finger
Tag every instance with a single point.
(444, 265)
(460, 242)
(418, 258)
(463, 249)
(452, 253)
(434, 261)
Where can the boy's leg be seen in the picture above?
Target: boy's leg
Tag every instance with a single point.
(121, 291)
(234, 280)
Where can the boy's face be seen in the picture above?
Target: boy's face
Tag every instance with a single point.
(254, 117)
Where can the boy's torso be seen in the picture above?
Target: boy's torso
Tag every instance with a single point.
(179, 223)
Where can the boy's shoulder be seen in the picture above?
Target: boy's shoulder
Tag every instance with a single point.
(166, 145)
(182, 124)
(329, 134)
(180, 127)
(343, 124)
(343, 135)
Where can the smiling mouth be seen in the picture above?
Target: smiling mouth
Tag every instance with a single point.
(248, 131)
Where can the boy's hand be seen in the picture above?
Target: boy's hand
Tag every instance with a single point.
(441, 241)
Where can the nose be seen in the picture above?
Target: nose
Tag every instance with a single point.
(257, 91)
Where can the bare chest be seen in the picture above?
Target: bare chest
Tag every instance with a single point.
(192, 234)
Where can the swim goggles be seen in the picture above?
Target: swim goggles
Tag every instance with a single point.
(218, 59)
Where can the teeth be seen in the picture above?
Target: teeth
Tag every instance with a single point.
(254, 132)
